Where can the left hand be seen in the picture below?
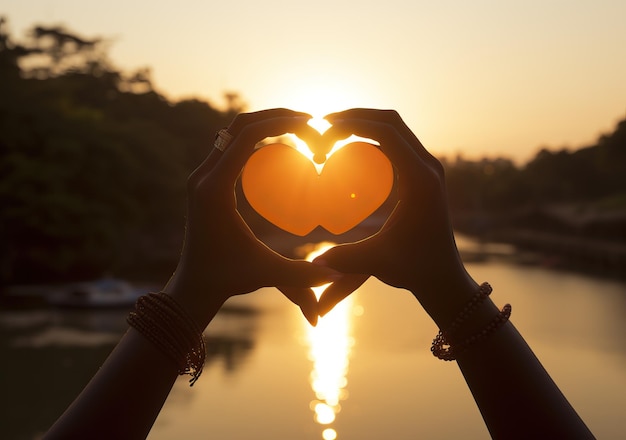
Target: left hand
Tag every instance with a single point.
(221, 257)
(415, 249)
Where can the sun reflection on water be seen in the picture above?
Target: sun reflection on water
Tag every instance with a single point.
(330, 343)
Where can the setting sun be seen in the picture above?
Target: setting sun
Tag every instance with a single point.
(319, 123)
(322, 125)
(319, 89)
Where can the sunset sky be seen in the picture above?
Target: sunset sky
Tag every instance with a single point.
(482, 77)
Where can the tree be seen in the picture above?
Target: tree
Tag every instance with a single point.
(94, 161)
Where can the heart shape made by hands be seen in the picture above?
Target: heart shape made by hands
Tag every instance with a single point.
(284, 187)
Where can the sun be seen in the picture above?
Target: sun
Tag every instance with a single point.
(320, 97)
(321, 125)
(318, 89)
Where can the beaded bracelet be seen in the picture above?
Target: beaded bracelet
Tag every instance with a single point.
(446, 350)
(159, 318)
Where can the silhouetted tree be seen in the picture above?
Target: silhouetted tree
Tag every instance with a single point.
(93, 160)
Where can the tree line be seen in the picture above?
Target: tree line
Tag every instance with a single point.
(94, 163)
(491, 194)
(93, 160)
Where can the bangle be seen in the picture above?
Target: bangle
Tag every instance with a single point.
(445, 348)
(163, 321)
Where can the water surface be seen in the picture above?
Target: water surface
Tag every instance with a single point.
(365, 373)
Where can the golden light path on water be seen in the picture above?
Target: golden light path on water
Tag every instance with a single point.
(330, 344)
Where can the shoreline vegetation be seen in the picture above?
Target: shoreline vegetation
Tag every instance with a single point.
(569, 236)
(94, 162)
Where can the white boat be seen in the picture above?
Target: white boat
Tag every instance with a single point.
(106, 292)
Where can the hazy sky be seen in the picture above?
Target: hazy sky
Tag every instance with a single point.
(481, 77)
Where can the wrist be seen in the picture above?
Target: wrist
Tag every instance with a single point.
(444, 295)
(167, 325)
(469, 326)
(195, 297)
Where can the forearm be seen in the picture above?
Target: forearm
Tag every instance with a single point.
(127, 393)
(124, 397)
(516, 396)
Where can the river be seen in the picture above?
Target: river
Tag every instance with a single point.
(365, 372)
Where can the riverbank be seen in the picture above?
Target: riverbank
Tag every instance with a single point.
(578, 253)
(583, 237)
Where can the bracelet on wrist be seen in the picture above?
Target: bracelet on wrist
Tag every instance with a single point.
(164, 322)
(446, 346)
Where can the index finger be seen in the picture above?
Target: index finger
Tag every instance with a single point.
(242, 146)
(234, 128)
(391, 117)
(392, 143)
(243, 119)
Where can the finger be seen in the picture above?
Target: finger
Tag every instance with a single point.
(243, 119)
(338, 291)
(303, 297)
(395, 147)
(205, 167)
(360, 113)
(292, 273)
(335, 134)
(353, 258)
(393, 118)
(242, 146)
(320, 145)
(415, 172)
(223, 168)
(238, 123)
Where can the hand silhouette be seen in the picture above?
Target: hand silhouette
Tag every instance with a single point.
(415, 249)
(220, 253)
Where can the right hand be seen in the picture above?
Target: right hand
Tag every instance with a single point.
(221, 257)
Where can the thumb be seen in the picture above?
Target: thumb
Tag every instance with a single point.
(303, 297)
(302, 274)
(348, 258)
(339, 290)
